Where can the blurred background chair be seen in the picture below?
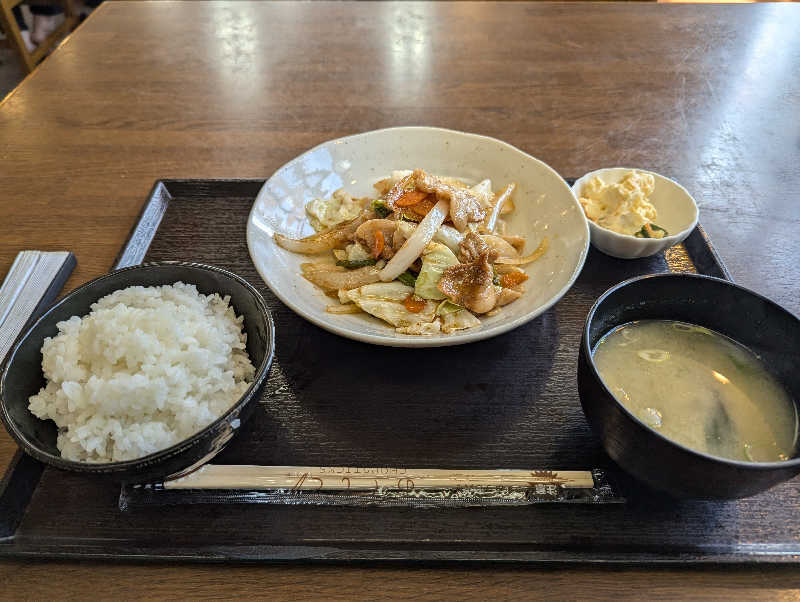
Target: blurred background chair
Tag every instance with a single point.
(14, 34)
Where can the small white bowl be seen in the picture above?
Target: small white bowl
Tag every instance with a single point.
(677, 214)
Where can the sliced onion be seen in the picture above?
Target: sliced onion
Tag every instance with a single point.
(498, 206)
(311, 268)
(412, 248)
(350, 308)
(496, 243)
(327, 239)
(501, 269)
(447, 235)
(483, 190)
(523, 260)
(349, 279)
(518, 242)
(316, 243)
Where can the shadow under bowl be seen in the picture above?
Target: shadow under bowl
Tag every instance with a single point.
(761, 325)
(22, 372)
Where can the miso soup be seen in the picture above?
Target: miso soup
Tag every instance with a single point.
(699, 388)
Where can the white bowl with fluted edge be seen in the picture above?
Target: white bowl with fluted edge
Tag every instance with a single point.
(545, 206)
(676, 208)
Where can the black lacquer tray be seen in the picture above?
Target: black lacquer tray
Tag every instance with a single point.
(508, 402)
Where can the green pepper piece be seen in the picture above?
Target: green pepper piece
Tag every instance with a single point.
(352, 265)
(647, 231)
(380, 207)
(407, 278)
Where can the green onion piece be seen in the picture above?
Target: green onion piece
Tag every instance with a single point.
(380, 207)
(359, 263)
(648, 230)
(407, 278)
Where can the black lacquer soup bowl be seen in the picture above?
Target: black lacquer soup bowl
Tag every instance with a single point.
(754, 321)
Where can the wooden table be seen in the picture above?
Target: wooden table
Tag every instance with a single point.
(709, 96)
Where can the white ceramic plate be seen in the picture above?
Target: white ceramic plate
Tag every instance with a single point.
(545, 206)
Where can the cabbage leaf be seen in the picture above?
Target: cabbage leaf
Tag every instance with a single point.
(436, 258)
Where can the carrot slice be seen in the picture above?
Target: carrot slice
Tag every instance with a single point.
(424, 206)
(398, 190)
(414, 304)
(410, 197)
(380, 243)
(512, 279)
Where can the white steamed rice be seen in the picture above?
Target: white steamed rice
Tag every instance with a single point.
(147, 368)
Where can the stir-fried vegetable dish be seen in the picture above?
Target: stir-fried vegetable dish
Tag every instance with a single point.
(429, 255)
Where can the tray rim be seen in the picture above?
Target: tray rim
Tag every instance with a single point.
(442, 555)
(141, 235)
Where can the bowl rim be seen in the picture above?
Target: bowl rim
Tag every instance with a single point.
(156, 457)
(672, 238)
(463, 338)
(585, 349)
